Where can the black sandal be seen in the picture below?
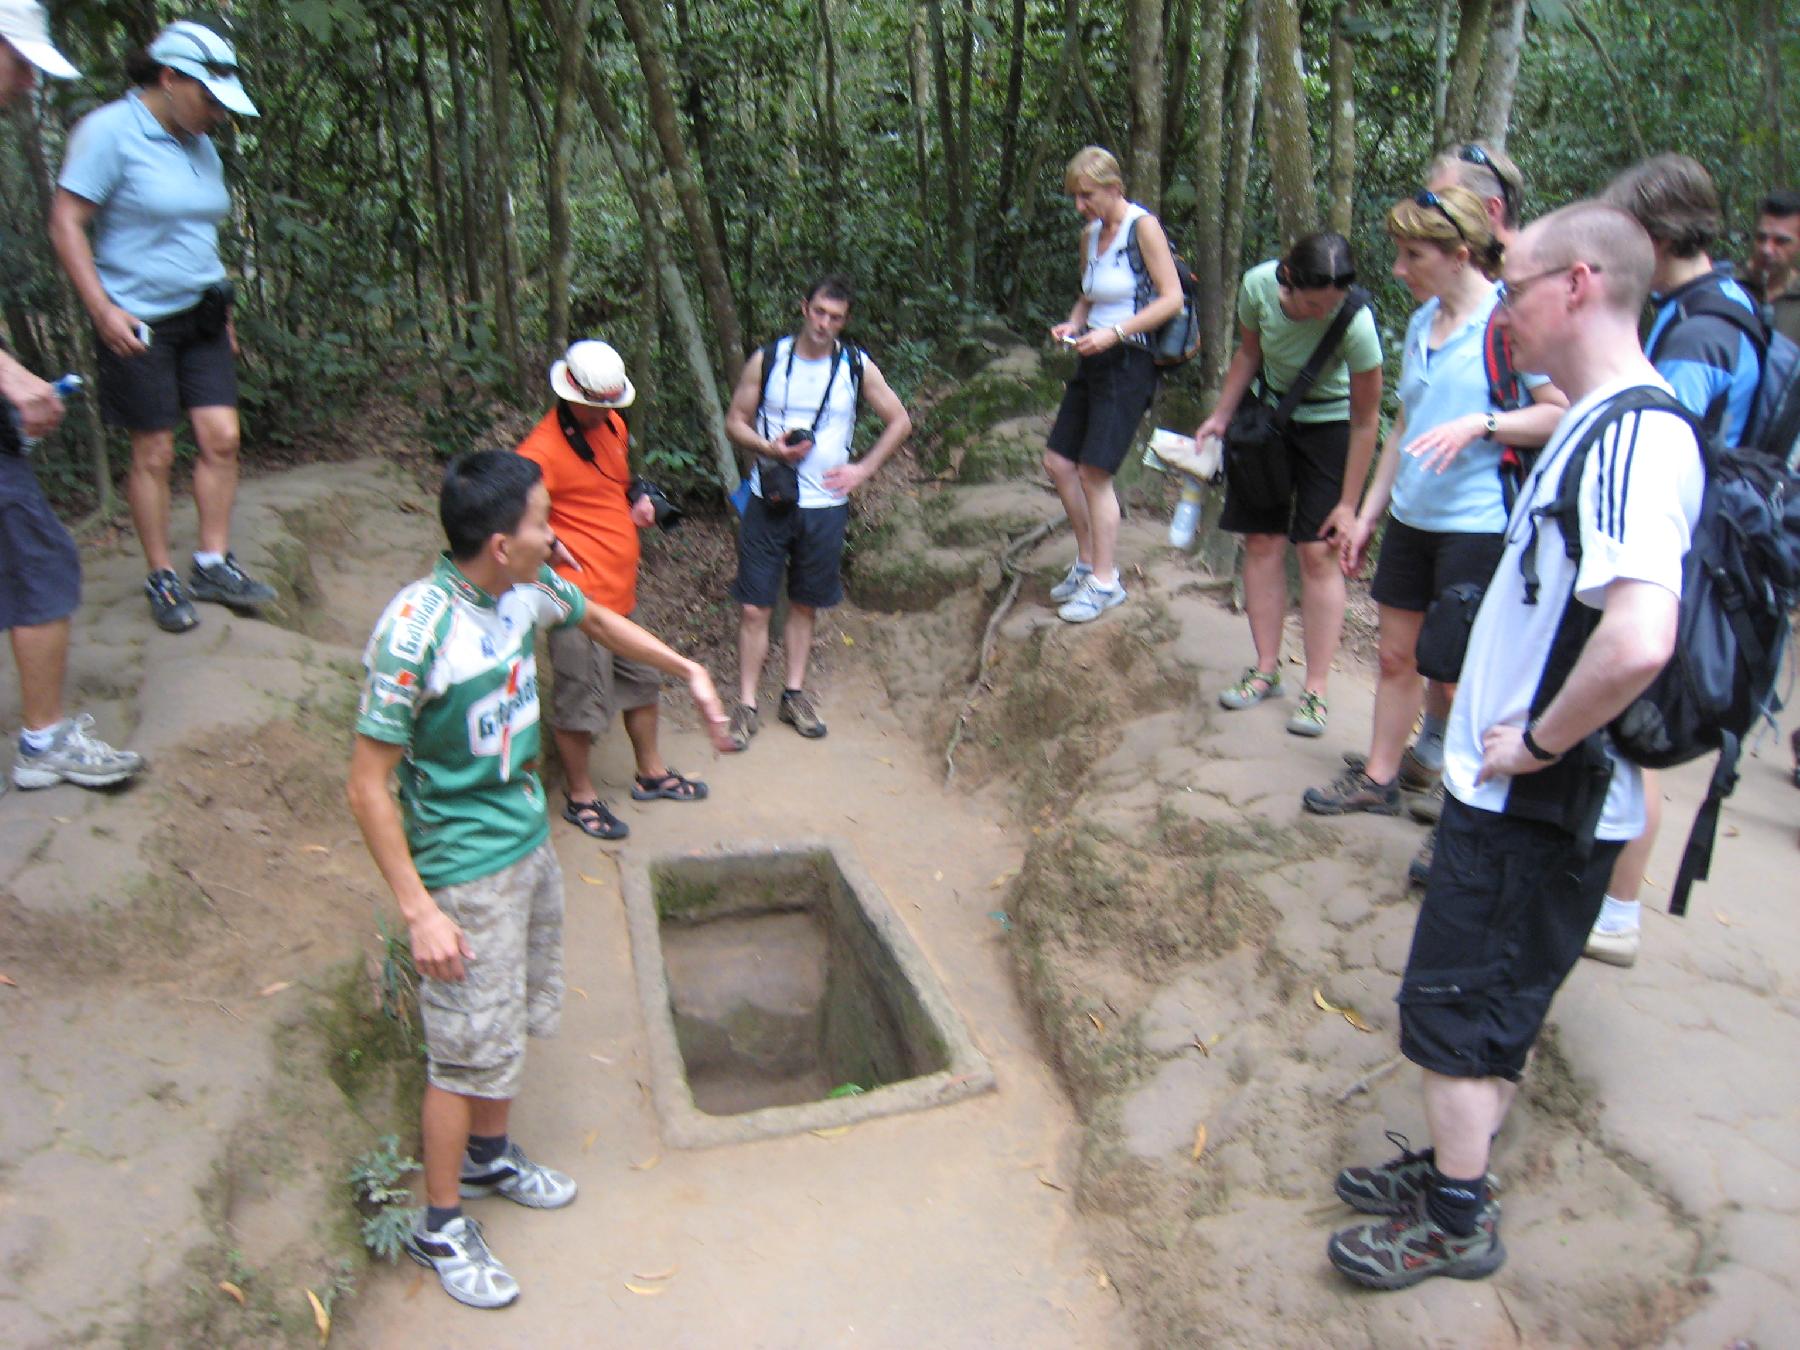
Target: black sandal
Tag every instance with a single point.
(593, 819)
(671, 785)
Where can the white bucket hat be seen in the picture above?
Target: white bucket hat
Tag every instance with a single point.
(592, 373)
(202, 54)
(23, 23)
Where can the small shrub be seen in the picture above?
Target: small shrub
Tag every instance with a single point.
(385, 1204)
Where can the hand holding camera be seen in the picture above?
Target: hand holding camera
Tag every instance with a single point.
(665, 514)
(796, 444)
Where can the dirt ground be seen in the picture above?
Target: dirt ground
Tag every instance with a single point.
(1118, 891)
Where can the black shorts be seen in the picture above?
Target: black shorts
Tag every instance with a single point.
(184, 368)
(1417, 566)
(40, 571)
(1103, 405)
(1506, 913)
(1316, 455)
(807, 541)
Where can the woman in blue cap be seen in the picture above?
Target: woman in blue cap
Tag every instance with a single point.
(143, 174)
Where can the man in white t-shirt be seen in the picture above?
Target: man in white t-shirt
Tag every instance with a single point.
(1538, 807)
(794, 409)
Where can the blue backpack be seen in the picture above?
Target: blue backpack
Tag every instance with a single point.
(1774, 425)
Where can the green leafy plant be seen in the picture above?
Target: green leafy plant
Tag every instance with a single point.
(386, 1205)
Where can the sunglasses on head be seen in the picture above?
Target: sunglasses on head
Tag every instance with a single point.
(1431, 202)
(1474, 154)
(1285, 275)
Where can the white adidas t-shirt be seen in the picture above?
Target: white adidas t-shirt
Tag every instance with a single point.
(1640, 495)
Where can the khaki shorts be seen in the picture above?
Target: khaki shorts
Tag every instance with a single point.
(592, 684)
(475, 1030)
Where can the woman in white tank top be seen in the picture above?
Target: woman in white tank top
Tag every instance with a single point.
(1106, 399)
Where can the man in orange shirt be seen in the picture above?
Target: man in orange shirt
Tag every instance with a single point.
(596, 511)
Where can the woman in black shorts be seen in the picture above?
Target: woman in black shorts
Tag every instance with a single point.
(143, 174)
(1284, 309)
(1115, 377)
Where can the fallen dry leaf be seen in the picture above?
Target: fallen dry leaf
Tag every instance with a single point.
(588, 1142)
(270, 990)
(1354, 1018)
(647, 1164)
(592, 881)
(9, 981)
(599, 1059)
(1101, 1280)
(668, 1274)
(1199, 1141)
(1098, 1024)
(849, 641)
(1716, 914)
(576, 989)
(1045, 1181)
(647, 1291)
(227, 1287)
(61, 820)
(1202, 1047)
(833, 1132)
(937, 876)
(321, 1318)
(315, 848)
(1324, 1004)
(1002, 879)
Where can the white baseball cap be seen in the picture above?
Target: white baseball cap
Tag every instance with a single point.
(203, 55)
(24, 24)
(592, 373)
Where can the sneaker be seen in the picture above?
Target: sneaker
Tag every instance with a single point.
(797, 711)
(76, 756)
(1407, 1248)
(469, 1272)
(744, 723)
(519, 1179)
(1252, 688)
(1418, 871)
(227, 584)
(1427, 807)
(1616, 949)
(1311, 717)
(1351, 791)
(1091, 601)
(1072, 579)
(169, 605)
(1414, 775)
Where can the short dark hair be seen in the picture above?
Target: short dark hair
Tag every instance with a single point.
(832, 286)
(1318, 261)
(141, 68)
(484, 494)
(1782, 202)
(1675, 201)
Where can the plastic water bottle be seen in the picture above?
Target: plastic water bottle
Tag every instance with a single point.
(67, 387)
(1187, 515)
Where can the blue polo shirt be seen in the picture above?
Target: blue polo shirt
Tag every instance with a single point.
(161, 198)
(1710, 365)
(1437, 387)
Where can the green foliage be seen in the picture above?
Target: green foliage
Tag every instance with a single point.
(386, 1205)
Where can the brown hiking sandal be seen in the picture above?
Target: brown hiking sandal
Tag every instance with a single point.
(1414, 775)
(1352, 790)
(797, 711)
(744, 722)
(1401, 1251)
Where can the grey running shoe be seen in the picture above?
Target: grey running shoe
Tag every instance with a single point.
(1090, 601)
(169, 605)
(1065, 589)
(76, 756)
(1352, 790)
(1252, 688)
(227, 584)
(469, 1272)
(519, 1179)
(744, 722)
(1407, 1248)
(797, 711)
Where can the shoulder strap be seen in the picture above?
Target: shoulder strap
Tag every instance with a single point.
(1709, 301)
(1356, 298)
(1505, 393)
(768, 365)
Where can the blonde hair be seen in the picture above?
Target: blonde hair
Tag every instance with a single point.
(1458, 220)
(1093, 164)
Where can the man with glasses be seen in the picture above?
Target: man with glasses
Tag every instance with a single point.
(1774, 271)
(1538, 808)
(40, 570)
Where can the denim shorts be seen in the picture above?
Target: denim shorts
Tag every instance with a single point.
(40, 571)
(807, 542)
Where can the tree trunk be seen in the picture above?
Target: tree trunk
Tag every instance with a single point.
(1175, 96)
(1049, 134)
(1288, 133)
(1500, 76)
(1247, 64)
(918, 58)
(1440, 66)
(713, 279)
(465, 165)
(507, 282)
(440, 186)
(1465, 72)
(569, 21)
(1341, 208)
(1771, 33)
(948, 145)
(965, 154)
(834, 145)
(1621, 99)
(696, 102)
(1009, 119)
(1206, 234)
(1144, 23)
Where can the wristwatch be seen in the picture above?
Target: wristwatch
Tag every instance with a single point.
(1536, 751)
(1490, 424)
(1119, 332)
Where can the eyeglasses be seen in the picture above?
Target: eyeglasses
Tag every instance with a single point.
(1431, 202)
(1285, 276)
(1509, 292)
(1474, 154)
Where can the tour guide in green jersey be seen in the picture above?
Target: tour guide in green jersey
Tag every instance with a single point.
(450, 705)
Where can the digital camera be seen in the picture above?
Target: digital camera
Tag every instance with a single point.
(668, 515)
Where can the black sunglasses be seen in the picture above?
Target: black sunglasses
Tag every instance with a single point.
(1431, 202)
(1285, 276)
(1474, 154)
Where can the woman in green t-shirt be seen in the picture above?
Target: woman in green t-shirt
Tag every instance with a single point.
(1285, 308)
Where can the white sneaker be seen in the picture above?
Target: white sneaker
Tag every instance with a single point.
(1072, 579)
(1616, 949)
(469, 1272)
(76, 756)
(519, 1179)
(1091, 601)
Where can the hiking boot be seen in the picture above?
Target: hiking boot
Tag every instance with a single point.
(797, 711)
(469, 1272)
(169, 605)
(1091, 601)
(1351, 791)
(225, 583)
(1407, 1248)
(1418, 871)
(1072, 579)
(76, 756)
(1252, 688)
(1615, 949)
(520, 1180)
(744, 723)
(1311, 717)
(1427, 808)
(1414, 775)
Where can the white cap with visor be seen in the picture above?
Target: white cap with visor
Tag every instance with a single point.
(201, 54)
(24, 24)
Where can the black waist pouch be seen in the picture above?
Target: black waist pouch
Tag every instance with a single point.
(1256, 457)
(780, 483)
(1444, 634)
(213, 311)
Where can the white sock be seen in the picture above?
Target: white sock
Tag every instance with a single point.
(42, 739)
(208, 559)
(1080, 566)
(1617, 916)
(1108, 582)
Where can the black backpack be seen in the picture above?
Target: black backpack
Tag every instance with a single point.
(1739, 582)
(1774, 424)
(1176, 342)
(851, 350)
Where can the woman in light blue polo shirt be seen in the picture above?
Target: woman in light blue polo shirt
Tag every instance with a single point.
(1440, 472)
(143, 174)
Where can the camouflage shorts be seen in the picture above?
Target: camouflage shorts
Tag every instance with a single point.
(475, 1030)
